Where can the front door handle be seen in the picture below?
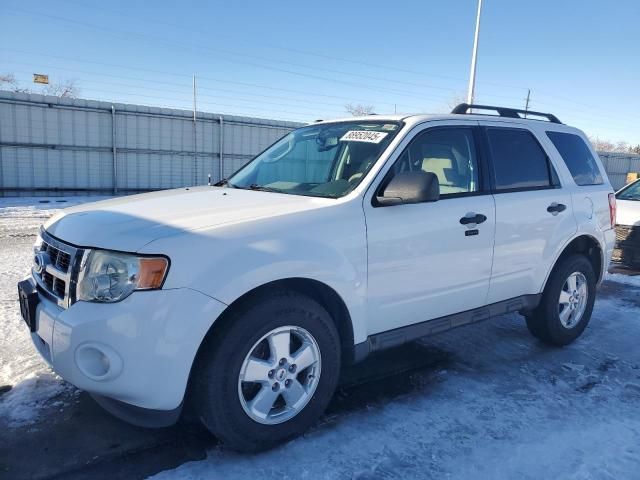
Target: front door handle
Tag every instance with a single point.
(476, 218)
(555, 208)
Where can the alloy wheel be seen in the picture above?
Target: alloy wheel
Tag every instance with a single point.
(573, 300)
(279, 375)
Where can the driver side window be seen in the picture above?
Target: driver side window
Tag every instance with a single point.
(449, 153)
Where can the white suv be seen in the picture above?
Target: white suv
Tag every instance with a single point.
(245, 299)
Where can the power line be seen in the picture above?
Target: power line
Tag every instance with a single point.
(181, 47)
(308, 113)
(203, 95)
(386, 67)
(234, 82)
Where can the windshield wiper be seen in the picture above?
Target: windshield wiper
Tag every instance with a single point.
(224, 182)
(264, 188)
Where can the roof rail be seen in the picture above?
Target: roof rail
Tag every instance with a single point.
(464, 108)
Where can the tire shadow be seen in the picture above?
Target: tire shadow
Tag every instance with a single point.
(377, 381)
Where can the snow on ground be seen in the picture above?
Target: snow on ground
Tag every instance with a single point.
(500, 406)
(507, 408)
(622, 278)
(20, 365)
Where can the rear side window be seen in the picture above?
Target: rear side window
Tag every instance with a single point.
(576, 154)
(519, 162)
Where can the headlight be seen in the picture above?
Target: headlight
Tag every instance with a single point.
(109, 276)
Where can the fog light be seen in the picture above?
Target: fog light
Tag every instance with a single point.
(98, 362)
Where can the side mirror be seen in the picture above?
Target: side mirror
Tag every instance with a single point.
(410, 187)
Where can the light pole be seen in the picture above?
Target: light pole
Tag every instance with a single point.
(474, 58)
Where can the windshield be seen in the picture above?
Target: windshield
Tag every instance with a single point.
(326, 160)
(631, 192)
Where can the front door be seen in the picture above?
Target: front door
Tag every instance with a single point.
(433, 259)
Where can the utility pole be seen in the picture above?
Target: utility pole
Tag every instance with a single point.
(474, 58)
(195, 135)
(526, 105)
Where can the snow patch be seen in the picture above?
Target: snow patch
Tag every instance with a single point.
(633, 280)
(23, 404)
(21, 367)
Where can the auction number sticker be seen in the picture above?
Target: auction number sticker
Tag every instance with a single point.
(363, 136)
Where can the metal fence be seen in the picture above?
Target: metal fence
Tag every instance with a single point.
(50, 144)
(618, 165)
(54, 145)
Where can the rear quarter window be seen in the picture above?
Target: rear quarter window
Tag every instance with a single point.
(578, 158)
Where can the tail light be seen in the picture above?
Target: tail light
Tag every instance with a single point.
(612, 209)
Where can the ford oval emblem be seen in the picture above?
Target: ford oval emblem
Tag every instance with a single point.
(41, 260)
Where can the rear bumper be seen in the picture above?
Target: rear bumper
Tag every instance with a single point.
(137, 352)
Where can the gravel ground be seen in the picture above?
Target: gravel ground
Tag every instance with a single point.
(486, 401)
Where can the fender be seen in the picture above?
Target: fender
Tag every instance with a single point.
(579, 233)
(327, 245)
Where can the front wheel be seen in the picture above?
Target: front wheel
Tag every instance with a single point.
(567, 302)
(269, 373)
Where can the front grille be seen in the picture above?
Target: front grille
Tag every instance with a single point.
(48, 280)
(623, 232)
(60, 259)
(54, 269)
(627, 248)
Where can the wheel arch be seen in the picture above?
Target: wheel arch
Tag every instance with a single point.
(584, 244)
(317, 290)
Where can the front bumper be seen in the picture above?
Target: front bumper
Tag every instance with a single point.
(138, 351)
(627, 248)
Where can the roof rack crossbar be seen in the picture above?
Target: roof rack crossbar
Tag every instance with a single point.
(464, 108)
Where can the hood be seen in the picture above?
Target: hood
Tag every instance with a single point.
(628, 212)
(129, 223)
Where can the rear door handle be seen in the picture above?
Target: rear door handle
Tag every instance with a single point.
(555, 208)
(476, 218)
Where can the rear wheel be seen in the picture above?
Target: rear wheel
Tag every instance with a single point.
(566, 304)
(269, 373)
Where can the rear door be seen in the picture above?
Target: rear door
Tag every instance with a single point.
(533, 211)
(590, 188)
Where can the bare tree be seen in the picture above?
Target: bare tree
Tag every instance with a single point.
(609, 146)
(456, 100)
(65, 89)
(601, 145)
(8, 82)
(359, 110)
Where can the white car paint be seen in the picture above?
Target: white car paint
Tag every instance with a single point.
(149, 340)
(390, 266)
(406, 241)
(628, 211)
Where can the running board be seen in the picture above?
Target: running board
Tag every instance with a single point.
(398, 336)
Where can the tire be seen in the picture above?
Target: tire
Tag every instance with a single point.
(560, 324)
(227, 406)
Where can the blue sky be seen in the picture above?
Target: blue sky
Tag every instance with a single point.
(305, 60)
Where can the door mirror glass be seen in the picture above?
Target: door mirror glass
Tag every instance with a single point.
(410, 187)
